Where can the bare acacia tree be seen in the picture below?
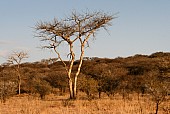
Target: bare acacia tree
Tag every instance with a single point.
(75, 28)
(15, 59)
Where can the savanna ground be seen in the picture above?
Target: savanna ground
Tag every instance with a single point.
(54, 104)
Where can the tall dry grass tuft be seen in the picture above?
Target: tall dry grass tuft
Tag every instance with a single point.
(61, 105)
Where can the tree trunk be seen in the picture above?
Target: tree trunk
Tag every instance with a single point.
(69, 72)
(71, 88)
(157, 107)
(19, 84)
(19, 80)
(75, 88)
(78, 71)
(99, 94)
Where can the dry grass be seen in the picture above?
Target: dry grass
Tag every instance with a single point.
(60, 105)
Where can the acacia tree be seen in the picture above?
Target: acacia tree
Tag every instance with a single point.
(75, 28)
(157, 88)
(17, 58)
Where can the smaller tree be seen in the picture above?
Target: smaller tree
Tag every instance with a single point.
(157, 88)
(15, 59)
(58, 80)
(42, 87)
(88, 85)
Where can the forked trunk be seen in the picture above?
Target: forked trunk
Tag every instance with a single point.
(78, 71)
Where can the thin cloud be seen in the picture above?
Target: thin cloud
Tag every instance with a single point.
(6, 42)
(21, 48)
(4, 53)
(1, 42)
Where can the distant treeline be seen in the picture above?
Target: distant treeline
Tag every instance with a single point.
(143, 74)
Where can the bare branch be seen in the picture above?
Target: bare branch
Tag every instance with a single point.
(17, 57)
(61, 59)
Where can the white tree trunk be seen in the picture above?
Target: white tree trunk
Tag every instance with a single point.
(78, 70)
(69, 72)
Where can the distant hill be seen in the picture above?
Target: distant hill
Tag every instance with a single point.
(131, 73)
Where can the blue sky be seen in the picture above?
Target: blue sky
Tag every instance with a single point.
(142, 26)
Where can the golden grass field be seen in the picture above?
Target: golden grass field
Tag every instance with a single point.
(53, 104)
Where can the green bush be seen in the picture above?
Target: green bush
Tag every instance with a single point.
(7, 89)
(42, 87)
(58, 80)
(88, 85)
